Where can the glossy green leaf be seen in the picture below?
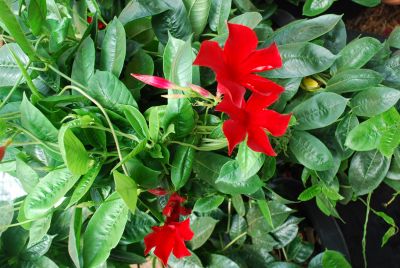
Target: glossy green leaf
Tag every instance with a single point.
(208, 203)
(357, 53)
(198, 11)
(219, 13)
(367, 3)
(389, 233)
(6, 215)
(33, 120)
(336, 39)
(83, 66)
(138, 227)
(319, 111)
(191, 261)
(238, 204)
(343, 129)
(353, 81)
(374, 100)
(113, 49)
(127, 189)
(177, 64)
(14, 29)
(37, 250)
(137, 121)
(316, 7)
(141, 63)
(26, 174)
(104, 230)
(310, 151)
(334, 259)
(249, 161)
(37, 11)
(238, 227)
(302, 59)
(367, 170)
(217, 261)
(72, 151)
(299, 251)
(38, 229)
(141, 8)
(74, 237)
(48, 192)
(9, 70)
(182, 166)
(394, 38)
(310, 193)
(110, 91)
(202, 228)
(58, 33)
(303, 30)
(286, 232)
(84, 184)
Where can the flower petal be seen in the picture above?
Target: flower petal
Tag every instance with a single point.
(263, 60)
(241, 42)
(228, 107)
(155, 81)
(210, 55)
(261, 85)
(258, 102)
(184, 231)
(158, 191)
(180, 250)
(166, 245)
(274, 122)
(231, 90)
(258, 141)
(234, 132)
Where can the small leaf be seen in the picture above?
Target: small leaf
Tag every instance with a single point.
(219, 13)
(137, 121)
(207, 204)
(127, 189)
(202, 228)
(83, 66)
(182, 166)
(310, 193)
(316, 7)
(389, 233)
(37, 11)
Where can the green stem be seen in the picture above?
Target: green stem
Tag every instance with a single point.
(16, 224)
(228, 227)
(14, 88)
(364, 239)
(234, 241)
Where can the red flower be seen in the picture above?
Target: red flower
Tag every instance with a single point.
(251, 119)
(236, 64)
(174, 209)
(2, 152)
(100, 25)
(169, 238)
(158, 191)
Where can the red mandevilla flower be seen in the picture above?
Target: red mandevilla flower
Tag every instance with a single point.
(236, 64)
(169, 238)
(2, 152)
(100, 25)
(251, 119)
(158, 191)
(174, 209)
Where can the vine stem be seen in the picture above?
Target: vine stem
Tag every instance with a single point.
(364, 239)
(234, 241)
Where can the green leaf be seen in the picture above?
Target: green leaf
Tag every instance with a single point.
(6, 215)
(238, 204)
(302, 59)
(281, 264)
(334, 259)
(389, 233)
(9, 70)
(367, 170)
(343, 129)
(381, 131)
(374, 100)
(37, 11)
(113, 49)
(316, 7)
(127, 189)
(177, 64)
(48, 192)
(303, 30)
(249, 161)
(74, 237)
(138, 227)
(137, 121)
(33, 120)
(59, 32)
(336, 39)
(299, 251)
(26, 174)
(198, 11)
(182, 166)
(238, 227)
(310, 193)
(104, 230)
(191, 261)
(85, 183)
(353, 81)
(310, 151)
(38, 229)
(219, 13)
(266, 212)
(141, 8)
(207, 204)
(394, 38)
(141, 63)
(83, 66)
(319, 111)
(357, 53)
(13, 27)
(143, 175)
(286, 232)
(367, 3)
(72, 151)
(110, 91)
(202, 228)
(218, 261)
(37, 250)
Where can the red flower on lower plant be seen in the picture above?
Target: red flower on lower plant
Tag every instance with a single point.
(250, 119)
(100, 25)
(237, 62)
(169, 238)
(3, 149)
(174, 209)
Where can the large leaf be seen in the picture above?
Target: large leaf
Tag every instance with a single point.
(14, 29)
(310, 151)
(198, 11)
(138, 227)
(113, 49)
(37, 11)
(374, 100)
(137, 9)
(367, 3)
(319, 111)
(74, 237)
(182, 166)
(191, 261)
(104, 230)
(38, 229)
(127, 189)
(367, 170)
(302, 59)
(26, 174)
(110, 91)
(177, 63)
(353, 80)
(9, 70)
(357, 53)
(48, 192)
(219, 13)
(202, 228)
(83, 66)
(381, 131)
(304, 30)
(217, 261)
(316, 7)
(137, 121)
